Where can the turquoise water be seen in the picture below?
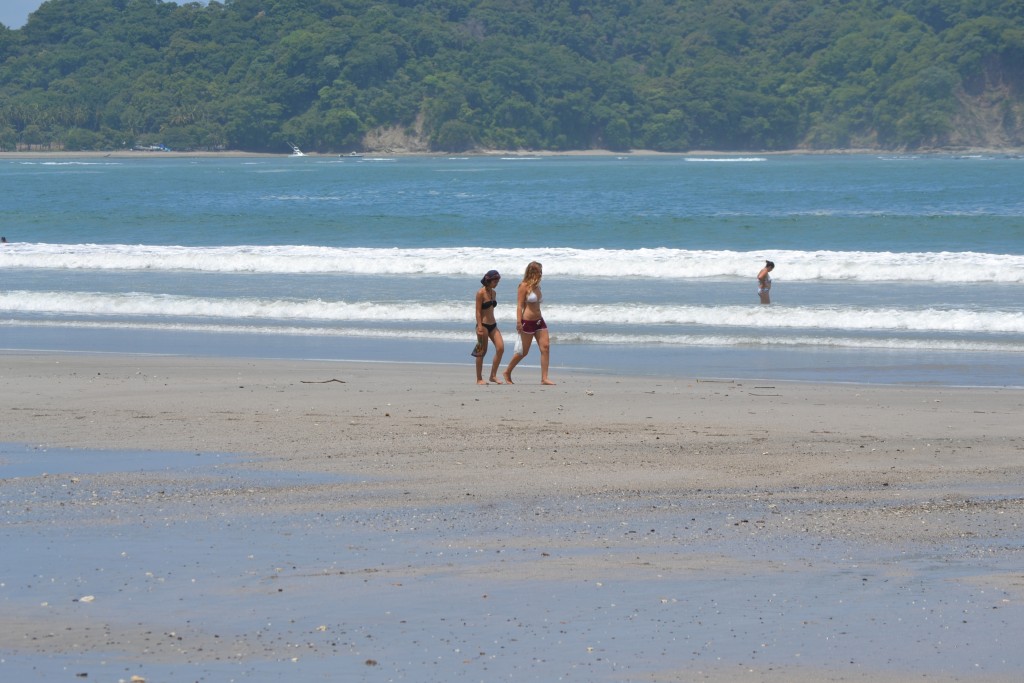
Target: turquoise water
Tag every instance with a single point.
(889, 268)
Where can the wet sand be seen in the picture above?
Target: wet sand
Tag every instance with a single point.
(364, 521)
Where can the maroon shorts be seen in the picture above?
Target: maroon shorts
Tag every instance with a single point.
(531, 326)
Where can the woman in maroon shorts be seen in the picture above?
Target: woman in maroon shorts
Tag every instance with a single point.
(530, 323)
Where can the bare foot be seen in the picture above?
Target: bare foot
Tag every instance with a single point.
(508, 377)
(494, 380)
(480, 381)
(547, 383)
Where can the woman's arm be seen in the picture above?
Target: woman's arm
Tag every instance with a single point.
(479, 307)
(521, 295)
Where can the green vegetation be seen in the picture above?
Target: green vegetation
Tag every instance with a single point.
(456, 75)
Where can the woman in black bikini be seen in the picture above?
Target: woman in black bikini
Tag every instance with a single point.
(487, 327)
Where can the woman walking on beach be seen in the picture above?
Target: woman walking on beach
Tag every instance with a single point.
(487, 327)
(764, 282)
(530, 323)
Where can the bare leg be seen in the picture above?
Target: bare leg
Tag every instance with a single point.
(765, 297)
(499, 351)
(527, 340)
(544, 344)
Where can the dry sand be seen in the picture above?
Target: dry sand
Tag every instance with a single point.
(425, 528)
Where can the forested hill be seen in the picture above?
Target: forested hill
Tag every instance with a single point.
(455, 75)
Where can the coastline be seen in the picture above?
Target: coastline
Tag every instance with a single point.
(234, 154)
(230, 154)
(649, 517)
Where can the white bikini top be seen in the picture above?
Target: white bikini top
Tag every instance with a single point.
(532, 298)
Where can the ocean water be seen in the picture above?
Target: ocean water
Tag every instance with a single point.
(891, 269)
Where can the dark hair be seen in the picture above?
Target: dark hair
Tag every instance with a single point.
(769, 264)
(491, 275)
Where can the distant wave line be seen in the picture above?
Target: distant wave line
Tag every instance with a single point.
(659, 262)
(725, 159)
(70, 163)
(774, 317)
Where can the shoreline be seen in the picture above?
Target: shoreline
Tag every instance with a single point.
(397, 518)
(233, 154)
(850, 367)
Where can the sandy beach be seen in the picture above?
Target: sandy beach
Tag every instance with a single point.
(380, 521)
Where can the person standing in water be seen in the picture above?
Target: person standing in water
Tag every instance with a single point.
(487, 327)
(530, 323)
(764, 282)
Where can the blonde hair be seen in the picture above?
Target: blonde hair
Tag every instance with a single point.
(532, 275)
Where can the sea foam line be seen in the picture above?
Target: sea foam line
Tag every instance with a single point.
(660, 263)
(725, 159)
(851, 318)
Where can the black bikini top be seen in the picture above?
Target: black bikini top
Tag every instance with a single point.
(488, 304)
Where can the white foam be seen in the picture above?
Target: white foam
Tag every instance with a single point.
(849, 318)
(725, 159)
(661, 263)
(71, 163)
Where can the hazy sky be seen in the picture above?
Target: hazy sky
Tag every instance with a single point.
(14, 13)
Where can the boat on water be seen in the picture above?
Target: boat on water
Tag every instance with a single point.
(296, 152)
(351, 155)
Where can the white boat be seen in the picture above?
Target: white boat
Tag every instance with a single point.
(296, 152)
(351, 155)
